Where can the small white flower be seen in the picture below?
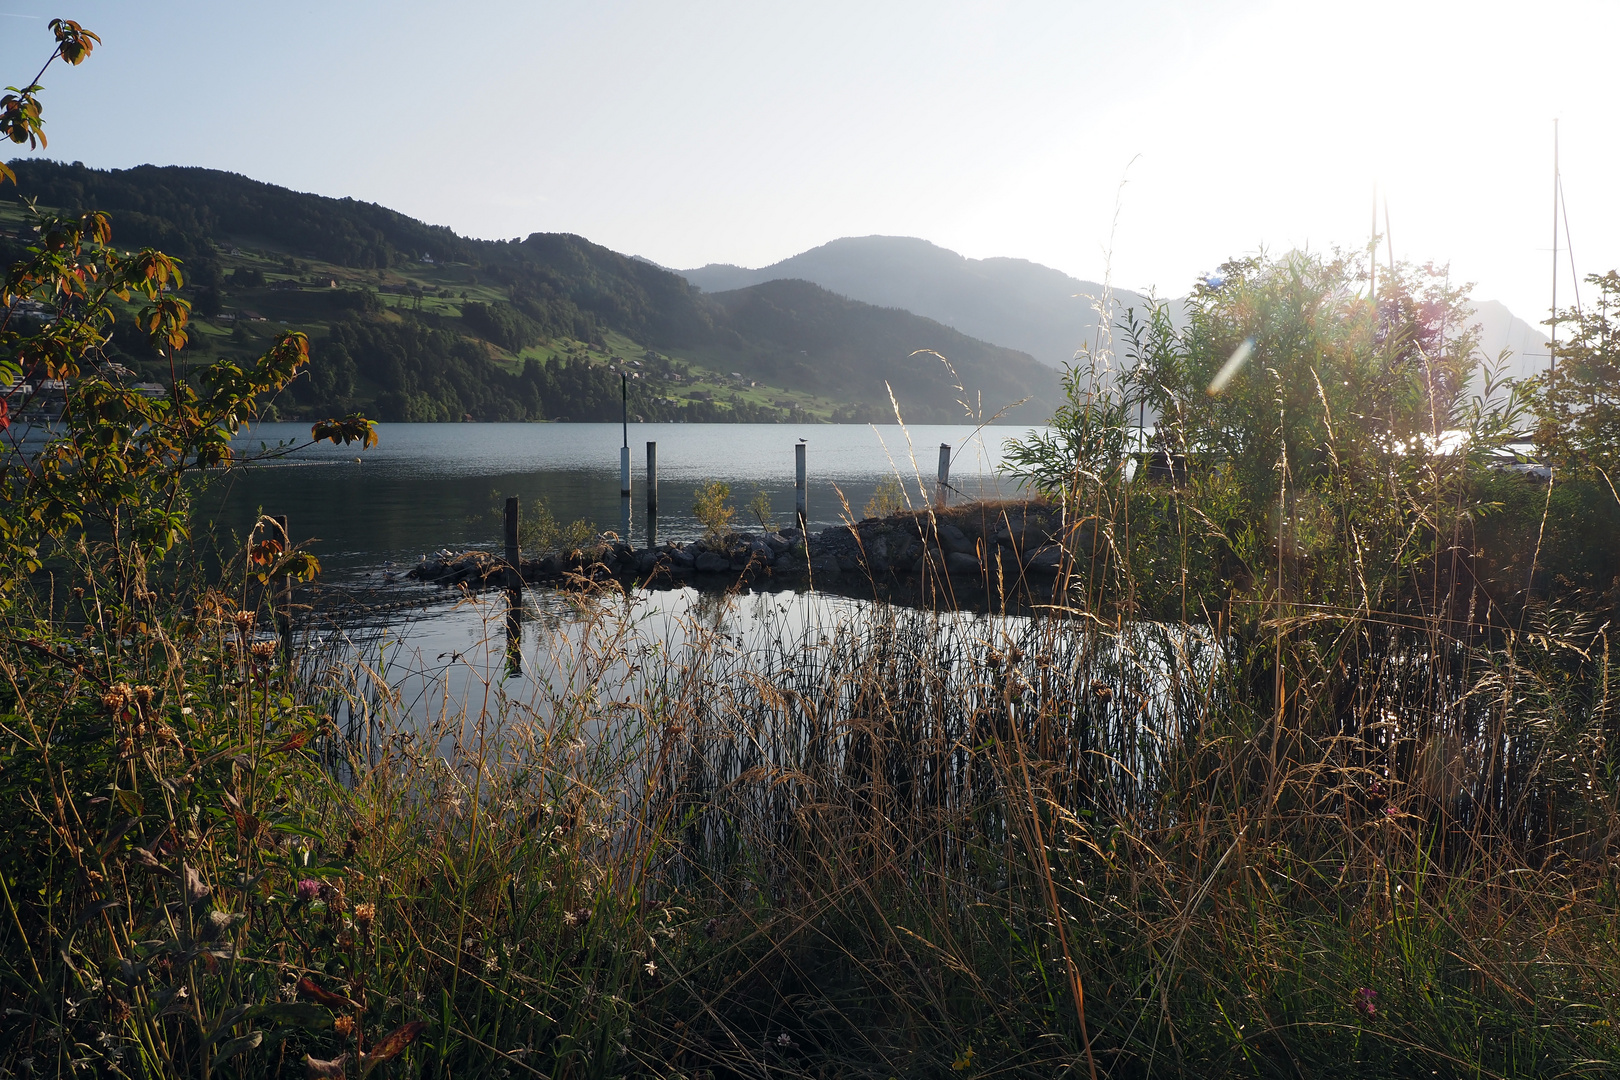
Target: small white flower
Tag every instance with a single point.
(650, 967)
(784, 1040)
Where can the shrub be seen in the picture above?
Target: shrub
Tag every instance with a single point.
(540, 533)
(712, 508)
(889, 498)
(759, 508)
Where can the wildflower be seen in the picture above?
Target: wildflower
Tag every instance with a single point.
(784, 1040)
(1366, 1001)
(492, 964)
(144, 695)
(185, 710)
(651, 968)
(263, 650)
(363, 915)
(1390, 811)
(344, 1026)
(308, 889)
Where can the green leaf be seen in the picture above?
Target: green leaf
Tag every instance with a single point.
(239, 1045)
(301, 1014)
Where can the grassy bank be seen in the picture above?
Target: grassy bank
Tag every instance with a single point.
(875, 849)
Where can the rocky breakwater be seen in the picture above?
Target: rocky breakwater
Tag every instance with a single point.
(1003, 542)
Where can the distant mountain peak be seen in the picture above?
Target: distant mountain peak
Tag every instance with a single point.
(1012, 302)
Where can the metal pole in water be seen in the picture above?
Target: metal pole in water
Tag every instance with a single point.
(652, 495)
(800, 502)
(942, 490)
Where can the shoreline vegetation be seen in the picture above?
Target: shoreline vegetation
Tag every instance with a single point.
(1316, 778)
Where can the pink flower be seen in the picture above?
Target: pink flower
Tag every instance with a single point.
(1366, 998)
(308, 889)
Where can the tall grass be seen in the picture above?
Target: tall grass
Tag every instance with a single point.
(848, 852)
(1285, 795)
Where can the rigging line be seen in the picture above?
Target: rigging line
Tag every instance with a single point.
(1569, 244)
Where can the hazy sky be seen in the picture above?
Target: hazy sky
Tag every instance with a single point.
(1172, 135)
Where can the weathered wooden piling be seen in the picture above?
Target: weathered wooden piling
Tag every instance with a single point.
(943, 488)
(624, 459)
(800, 502)
(652, 495)
(513, 555)
(514, 631)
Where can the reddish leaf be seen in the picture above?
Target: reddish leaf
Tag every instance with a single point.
(294, 743)
(391, 1045)
(307, 987)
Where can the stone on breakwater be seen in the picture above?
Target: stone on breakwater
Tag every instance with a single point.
(954, 541)
(1045, 560)
(970, 540)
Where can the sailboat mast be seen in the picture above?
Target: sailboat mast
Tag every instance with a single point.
(1372, 254)
(1552, 342)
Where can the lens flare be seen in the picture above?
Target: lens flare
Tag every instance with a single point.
(1240, 355)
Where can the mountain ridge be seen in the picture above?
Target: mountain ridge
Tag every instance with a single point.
(413, 321)
(1016, 302)
(1012, 302)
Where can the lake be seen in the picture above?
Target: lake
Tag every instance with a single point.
(368, 515)
(425, 487)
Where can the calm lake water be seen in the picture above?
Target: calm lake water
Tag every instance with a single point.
(368, 515)
(432, 486)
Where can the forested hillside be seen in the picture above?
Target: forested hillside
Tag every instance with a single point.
(410, 321)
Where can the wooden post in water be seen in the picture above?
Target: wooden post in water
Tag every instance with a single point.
(652, 495)
(514, 631)
(283, 593)
(943, 488)
(800, 503)
(624, 459)
(513, 555)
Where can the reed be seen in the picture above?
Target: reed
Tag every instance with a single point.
(1253, 794)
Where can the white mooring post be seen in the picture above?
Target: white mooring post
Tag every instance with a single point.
(800, 503)
(942, 490)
